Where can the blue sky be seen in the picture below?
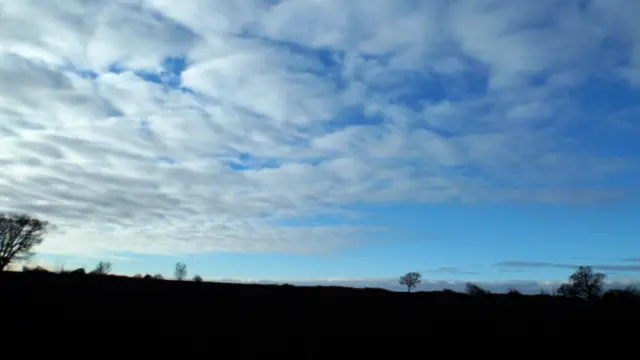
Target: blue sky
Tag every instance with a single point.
(302, 141)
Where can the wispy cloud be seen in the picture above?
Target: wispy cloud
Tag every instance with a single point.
(535, 264)
(453, 270)
(127, 123)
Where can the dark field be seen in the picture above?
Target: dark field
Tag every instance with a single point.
(49, 309)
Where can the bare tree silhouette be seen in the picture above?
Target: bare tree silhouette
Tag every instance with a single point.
(103, 268)
(19, 233)
(410, 280)
(180, 272)
(475, 290)
(583, 283)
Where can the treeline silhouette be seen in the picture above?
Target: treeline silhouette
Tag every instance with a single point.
(94, 305)
(583, 284)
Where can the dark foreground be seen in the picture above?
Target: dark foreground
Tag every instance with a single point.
(44, 310)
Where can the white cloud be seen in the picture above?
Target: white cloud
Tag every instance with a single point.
(74, 149)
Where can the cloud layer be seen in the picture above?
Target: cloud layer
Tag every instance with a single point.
(167, 127)
(601, 267)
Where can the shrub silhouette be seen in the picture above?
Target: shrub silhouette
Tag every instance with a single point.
(138, 276)
(40, 269)
(567, 290)
(513, 292)
(158, 277)
(197, 278)
(79, 271)
(627, 296)
(544, 292)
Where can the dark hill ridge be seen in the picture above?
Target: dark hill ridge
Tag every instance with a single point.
(48, 305)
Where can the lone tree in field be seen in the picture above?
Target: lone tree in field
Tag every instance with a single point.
(181, 271)
(583, 283)
(103, 268)
(410, 280)
(19, 233)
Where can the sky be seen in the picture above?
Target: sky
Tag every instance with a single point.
(327, 142)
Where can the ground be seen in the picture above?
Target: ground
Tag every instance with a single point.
(49, 308)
